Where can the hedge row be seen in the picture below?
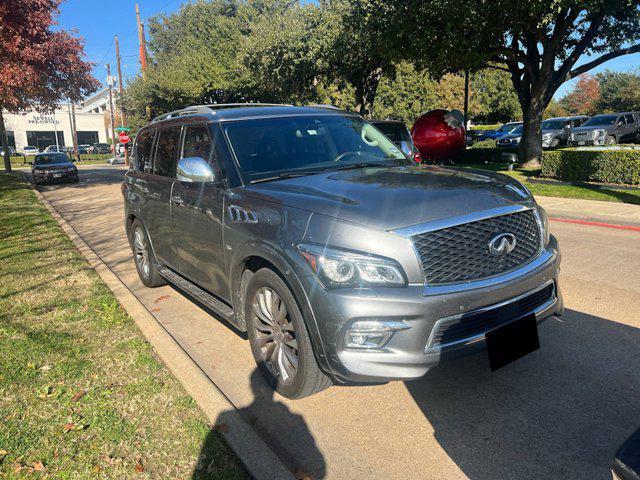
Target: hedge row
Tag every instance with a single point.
(19, 160)
(608, 166)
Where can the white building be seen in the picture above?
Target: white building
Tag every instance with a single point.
(37, 129)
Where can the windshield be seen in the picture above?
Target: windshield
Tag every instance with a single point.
(600, 120)
(517, 130)
(508, 127)
(273, 147)
(553, 125)
(53, 158)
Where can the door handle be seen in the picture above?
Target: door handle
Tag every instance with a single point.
(177, 200)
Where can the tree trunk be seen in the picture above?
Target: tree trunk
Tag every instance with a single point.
(531, 142)
(5, 144)
(366, 91)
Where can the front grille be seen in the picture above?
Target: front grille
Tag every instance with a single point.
(474, 324)
(461, 253)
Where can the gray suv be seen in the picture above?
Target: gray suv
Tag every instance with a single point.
(342, 259)
(555, 131)
(607, 129)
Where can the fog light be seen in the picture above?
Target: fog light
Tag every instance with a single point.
(371, 334)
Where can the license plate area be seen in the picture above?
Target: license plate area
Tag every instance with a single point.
(512, 341)
(581, 143)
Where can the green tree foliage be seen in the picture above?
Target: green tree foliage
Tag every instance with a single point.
(538, 41)
(619, 91)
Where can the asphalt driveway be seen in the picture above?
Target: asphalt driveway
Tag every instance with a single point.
(558, 413)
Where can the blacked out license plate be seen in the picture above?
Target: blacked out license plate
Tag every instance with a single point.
(512, 341)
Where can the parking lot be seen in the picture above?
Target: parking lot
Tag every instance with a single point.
(558, 413)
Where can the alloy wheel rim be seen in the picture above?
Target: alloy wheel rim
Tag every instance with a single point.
(141, 251)
(275, 335)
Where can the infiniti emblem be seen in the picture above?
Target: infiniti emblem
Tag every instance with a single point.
(502, 244)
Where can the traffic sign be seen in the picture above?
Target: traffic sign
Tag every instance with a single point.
(122, 129)
(124, 138)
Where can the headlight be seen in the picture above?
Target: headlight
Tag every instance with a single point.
(600, 133)
(339, 268)
(544, 225)
(516, 140)
(547, 136)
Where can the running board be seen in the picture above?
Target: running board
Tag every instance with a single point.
(198, 293)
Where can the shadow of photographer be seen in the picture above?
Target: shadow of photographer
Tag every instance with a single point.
(269, 417)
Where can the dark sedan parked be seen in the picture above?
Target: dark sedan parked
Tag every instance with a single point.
(49, 167)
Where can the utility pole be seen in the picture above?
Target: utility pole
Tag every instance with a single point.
(141, 40)
(466, 97)
(75, 130)
(113, 126)
(72, 126)
(121, 93)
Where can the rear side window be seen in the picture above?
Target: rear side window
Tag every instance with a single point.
(629, 119)
(197, 142)
(167, 150)
(144, 142)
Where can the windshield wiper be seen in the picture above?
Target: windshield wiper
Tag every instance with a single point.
(352, 166)
(284, 175)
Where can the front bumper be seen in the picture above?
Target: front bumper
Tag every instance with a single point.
(589, 142)
(410, 353)
(55, 177)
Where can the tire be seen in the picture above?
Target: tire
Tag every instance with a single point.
(286, 361)
(610, 140)
(143, 256)
(555, 143)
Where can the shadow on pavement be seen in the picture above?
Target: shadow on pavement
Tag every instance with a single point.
(560, 412)
(311, 466)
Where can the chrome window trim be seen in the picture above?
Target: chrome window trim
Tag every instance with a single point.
(430, 349)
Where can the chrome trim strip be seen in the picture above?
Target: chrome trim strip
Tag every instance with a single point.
(459, 220)
(429, 348)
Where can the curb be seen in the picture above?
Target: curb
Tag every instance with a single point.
(255, 455)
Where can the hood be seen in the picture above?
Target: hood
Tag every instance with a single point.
(393, 197)
(511, 136)
(553, 131)
(592, 128)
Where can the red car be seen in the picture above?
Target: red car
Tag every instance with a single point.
(439, 134)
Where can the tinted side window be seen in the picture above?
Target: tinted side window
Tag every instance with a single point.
(621, 120)
(144, 142)
(167, 150)
(197, 142)
(629, 119)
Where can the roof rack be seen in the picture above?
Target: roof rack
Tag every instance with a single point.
(211, 108)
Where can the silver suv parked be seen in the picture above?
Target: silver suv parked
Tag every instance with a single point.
(342, 259)
(607, 129)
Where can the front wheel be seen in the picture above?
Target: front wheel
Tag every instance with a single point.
(611, 140)
(279, 339)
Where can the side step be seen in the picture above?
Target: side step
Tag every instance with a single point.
(198, 293)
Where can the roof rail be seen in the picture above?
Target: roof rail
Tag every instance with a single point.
(211, 108)
(320, 105)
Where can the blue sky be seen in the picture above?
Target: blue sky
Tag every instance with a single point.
(99, 20)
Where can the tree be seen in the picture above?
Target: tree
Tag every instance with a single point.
(555, 109)
(38, 66)
(619, 91)
(583, 99)
(539, 42)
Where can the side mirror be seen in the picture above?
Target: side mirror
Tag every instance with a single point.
(194, 170)
(567, 127)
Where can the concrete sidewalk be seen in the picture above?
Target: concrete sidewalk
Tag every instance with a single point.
(591, 210)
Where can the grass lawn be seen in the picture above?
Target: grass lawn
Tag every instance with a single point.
(565, 191)
(82, 394)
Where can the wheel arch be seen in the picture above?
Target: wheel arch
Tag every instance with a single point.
(256, 256)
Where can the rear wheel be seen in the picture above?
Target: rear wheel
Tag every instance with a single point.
(610, 140)
(279, 339)
(143, 256)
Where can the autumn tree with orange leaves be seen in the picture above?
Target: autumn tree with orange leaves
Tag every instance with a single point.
(38, 66)
(583, 99)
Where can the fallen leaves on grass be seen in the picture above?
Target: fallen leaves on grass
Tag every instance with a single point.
(139, 467)
(50, 392)
(78, 395)
(69, 426)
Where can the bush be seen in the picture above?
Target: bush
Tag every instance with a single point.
(607, 166)
(21, 160)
